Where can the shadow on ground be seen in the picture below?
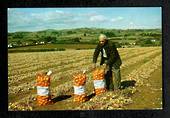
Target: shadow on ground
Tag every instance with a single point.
(91, 96)
(61, 97)
(127, 83)
(124, 84)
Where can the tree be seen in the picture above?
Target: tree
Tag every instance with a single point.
(84, 34)
(148, 41)
(70, 32)
(49, 39)
(19, 43)
(17, 35)
(76, 39)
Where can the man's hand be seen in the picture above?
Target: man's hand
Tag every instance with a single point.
(106, 68)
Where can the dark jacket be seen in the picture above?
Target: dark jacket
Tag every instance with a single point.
(113, 58)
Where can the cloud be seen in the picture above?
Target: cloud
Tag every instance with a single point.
(18, 20)
(56, 17)
(131, 23)
(47, 16)
(59, 11)
(97, 18)
(31, 19)
(89, 14)
(117, 19)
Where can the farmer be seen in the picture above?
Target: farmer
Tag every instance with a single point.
(111, 60)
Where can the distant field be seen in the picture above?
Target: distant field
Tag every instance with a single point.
(141, 78)
(66, 46)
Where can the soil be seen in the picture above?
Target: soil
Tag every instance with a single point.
(149, 96)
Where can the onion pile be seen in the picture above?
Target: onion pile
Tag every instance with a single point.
(42, 80)
(98, 74)
(99, 80)
(44, 100)
(80, 98)
(22, 106)
(100, 90)
(79, 79)
(43, 93)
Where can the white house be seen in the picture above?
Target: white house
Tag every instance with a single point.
(10, 45)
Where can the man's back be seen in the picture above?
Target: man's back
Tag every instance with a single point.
(111, 53)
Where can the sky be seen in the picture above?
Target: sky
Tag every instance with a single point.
(38, 19)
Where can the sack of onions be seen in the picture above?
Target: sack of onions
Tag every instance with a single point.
(99, 80)
(43, 88)
(79, 80)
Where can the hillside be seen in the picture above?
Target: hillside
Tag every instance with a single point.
(85, 35)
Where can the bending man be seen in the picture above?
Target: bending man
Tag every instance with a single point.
(111, 60)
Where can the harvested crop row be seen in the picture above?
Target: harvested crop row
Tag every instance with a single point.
(19, 59)
(136, 53)
(30, 69)
(139, 57)
(38, 61)
(132, 61)
(57, 70)
(42, 66)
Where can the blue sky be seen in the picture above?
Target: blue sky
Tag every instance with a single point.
(36, 19)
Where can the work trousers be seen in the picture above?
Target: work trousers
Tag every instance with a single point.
(113, 79)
